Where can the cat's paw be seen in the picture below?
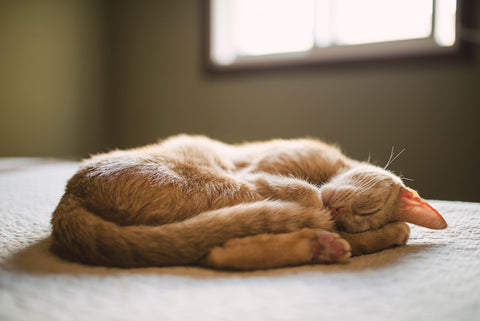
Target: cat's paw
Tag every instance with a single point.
(264, 251)
(327, 247)
(398, 233)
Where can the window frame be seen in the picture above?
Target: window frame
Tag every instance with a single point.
(391, 51)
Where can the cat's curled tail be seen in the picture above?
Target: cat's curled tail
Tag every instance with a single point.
(80, 235)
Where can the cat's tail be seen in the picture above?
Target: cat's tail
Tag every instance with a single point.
(80, 235)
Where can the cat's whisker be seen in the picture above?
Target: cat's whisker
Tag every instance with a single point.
(365, 181)
(403, 178)
(343, 197)
(361, 180)
(366, 188)
(391, 160)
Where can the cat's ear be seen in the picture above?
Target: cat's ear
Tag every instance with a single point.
(415, 210)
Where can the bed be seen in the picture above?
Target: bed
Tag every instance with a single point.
(435, 277)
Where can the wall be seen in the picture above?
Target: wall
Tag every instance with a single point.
(52, 88)
(80, 76)
(430, 108)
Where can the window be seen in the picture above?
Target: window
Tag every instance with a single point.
(274, 32)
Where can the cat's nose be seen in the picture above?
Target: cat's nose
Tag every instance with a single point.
(327, 195)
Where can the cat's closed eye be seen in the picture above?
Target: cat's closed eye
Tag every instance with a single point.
(366, 212)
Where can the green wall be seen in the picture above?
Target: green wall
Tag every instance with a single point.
(139, 76)
(51, 78)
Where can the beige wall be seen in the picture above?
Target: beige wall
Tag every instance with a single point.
(157, 86)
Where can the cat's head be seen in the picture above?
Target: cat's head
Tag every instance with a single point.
(368, 197)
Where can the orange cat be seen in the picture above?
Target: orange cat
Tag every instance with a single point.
(193, 200)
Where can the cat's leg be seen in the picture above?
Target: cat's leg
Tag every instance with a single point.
(376, 240)
(286, 189)
(264, 251)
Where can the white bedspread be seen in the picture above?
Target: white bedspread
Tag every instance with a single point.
(435, 277)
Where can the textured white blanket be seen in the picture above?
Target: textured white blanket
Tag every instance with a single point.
(435, 277)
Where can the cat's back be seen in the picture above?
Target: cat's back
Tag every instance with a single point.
(176, 158)
(193, 150)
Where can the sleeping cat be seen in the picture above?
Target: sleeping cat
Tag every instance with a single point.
(194, 200)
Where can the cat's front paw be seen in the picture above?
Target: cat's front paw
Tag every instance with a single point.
(372, 241)
(398, 233)
(327, 247)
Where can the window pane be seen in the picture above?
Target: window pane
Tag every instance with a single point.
(369, 21)
(273, 26)
(323, 23)
(445, 16)
(244, 31)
